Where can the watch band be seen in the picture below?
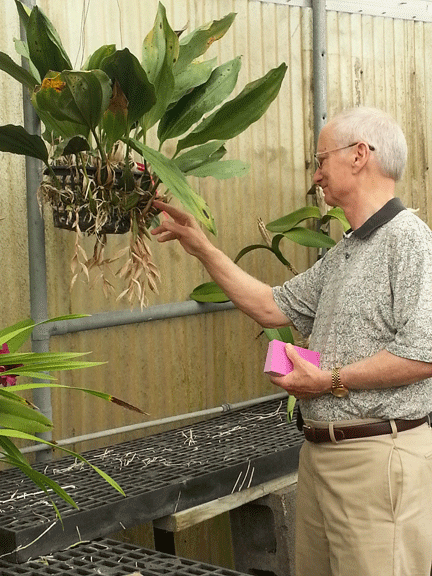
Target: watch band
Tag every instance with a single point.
(337, 388)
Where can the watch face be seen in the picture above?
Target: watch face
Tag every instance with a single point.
(339, 391)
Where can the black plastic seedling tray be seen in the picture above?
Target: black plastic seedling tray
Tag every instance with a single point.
(111, 558)
(161, 474)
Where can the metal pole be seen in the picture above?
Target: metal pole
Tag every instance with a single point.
(37, 263)
(319, 65)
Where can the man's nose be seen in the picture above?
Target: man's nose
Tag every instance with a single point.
(317, 176)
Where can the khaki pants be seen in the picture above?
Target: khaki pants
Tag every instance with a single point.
(364, 506)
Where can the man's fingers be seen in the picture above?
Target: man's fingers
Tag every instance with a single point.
(175, 213)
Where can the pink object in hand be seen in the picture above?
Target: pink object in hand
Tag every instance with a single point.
(277, 362)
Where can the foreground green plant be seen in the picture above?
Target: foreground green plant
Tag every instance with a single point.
(20, 419)
(94, 119)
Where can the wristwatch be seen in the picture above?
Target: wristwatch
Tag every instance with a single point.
(337, 388)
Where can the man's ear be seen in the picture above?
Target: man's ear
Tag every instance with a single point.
(361, 157)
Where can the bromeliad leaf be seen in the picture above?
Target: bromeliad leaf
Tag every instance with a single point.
(17, 140)
(175, 180)
(238, 114)
(201, 100)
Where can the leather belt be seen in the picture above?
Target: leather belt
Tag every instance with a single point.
(360, 431)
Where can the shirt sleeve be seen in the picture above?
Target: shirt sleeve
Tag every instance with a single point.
(411, 283)
(298, 298)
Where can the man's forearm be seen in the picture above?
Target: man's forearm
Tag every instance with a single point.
(253, 297)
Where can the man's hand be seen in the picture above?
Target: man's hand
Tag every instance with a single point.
(184, 228)
(306, 380)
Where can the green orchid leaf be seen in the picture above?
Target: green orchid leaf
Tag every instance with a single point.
(208, 292)
(17, 140)
(17, 72)
(238, 114)
(337, 214)
(102, 395)
(95, 60)
(275, 247)
(309, 238)
(198, 156)
(21, 417)
(284, 334)
(60, 128)
(45, 47)
(23, 13)
(26, 436)
(74, 96)
(8, 447)
(200, 39)
(293, 218)
(21, 48)
(73, 145)
(176, 182)
(38, 370)
(291, 402)
(251, 248)
(201, 100)
(221, 170)
(159, 54)
(194, 75)
(124, 67)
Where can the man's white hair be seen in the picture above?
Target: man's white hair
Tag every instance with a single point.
(378, 129)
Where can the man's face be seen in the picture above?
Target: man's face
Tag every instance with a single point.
(332, 171)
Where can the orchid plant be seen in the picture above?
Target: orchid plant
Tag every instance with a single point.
(20, 419)
(98, 119)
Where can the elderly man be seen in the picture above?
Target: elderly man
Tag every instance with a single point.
(364, 501)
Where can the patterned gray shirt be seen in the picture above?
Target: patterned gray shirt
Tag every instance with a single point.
(372, 291)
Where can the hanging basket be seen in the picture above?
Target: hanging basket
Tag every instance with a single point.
(101, 209)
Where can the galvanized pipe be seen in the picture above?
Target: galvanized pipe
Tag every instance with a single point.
(319, 27)
(162, 421)
(36, 251)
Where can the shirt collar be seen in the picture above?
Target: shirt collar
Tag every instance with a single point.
(384, 215)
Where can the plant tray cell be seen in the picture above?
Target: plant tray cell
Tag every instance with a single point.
(160, 474)
(106, 557)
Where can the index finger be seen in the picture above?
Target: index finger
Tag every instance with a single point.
(169, 209)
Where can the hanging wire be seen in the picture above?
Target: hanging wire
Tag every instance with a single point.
(81, 46)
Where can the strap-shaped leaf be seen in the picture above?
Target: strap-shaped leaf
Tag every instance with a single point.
(221, 169)
(208, 292)
(197, 42)
(284, 334)
(160, 52)
(23, 12)
(17, 140)
(21, 417)
(238, 114)
(45, 47)
(337, 214)
(175, 181)
(309, 238)
(293, 218)
(16, 71)
(198, 156)
(191, 108)
(194, 75)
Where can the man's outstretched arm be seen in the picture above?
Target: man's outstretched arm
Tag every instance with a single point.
(250, 295)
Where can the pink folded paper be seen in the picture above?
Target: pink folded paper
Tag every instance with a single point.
(277, 362)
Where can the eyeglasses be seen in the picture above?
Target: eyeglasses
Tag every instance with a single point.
(319, 161)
